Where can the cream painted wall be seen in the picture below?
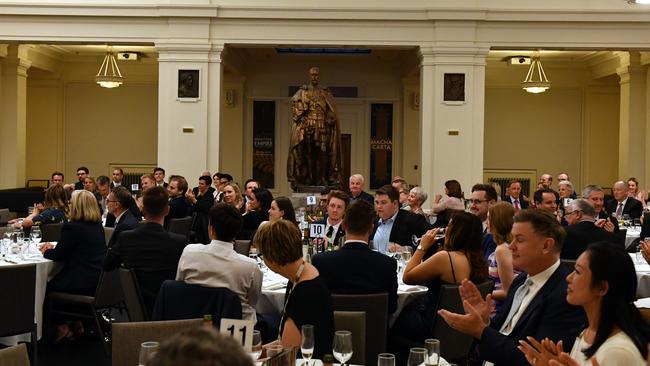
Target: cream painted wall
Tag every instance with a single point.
(232, 132)
(600, 138)
(44, 128)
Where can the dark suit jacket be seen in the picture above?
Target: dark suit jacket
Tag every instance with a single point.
(580, 235)
(645, 228)
(79, 185)
(127, 222)
(355, 269)
(522, 204)
(363, 196)
(179, 207)
(201, 207)
(135, 211)
(603, 215)
(633, 207)
(405, 226)
(340, 233)
(81, 248)
(547, 315)
(152, 252)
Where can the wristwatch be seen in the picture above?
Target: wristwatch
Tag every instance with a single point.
(420, 247)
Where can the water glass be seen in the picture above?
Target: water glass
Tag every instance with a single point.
(256, 349)
(417, 356)
(36, 234)
(433, 352)
(307, 344)
(406, 254)
(147, 351)
(342, 349)
(386, 359)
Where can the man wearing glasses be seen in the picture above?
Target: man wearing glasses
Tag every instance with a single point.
(582, 231)
(483, 197)
(82, 173)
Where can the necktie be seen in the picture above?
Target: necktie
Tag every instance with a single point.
(330, 231)
(516, 205)
(619, 210)
(516, 302)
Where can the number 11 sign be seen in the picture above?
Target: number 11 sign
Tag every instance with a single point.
(241, 330)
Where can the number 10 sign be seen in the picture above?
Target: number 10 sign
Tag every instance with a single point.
(241, 330)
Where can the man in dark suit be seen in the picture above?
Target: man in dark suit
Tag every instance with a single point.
(356, 189)
(536, 305)
(179, 206)
(118, 176)
(149, 249)
(82, 173)
(596, 196)
(395, 227)
(483, 197)
(337, 202)
(621, 204)
(515, 199)
(582, 229)
(119, 204)
(355, 269)
(159, 176)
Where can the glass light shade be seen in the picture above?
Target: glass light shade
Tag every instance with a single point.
(536, 80)
(109, 75)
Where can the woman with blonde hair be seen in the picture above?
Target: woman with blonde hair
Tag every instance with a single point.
(634, 191)
(500, 270)
(232, 195)
(53, 210)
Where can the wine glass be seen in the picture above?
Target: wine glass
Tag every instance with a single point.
(386, 359)
(433, 352)
(406, 254)
(147, 351)
(417, 356)
(36, 234)
(342, 346)
(415, 240)
(307, 345)
(256, 349)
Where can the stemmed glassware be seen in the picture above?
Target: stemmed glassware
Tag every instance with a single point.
(147, 351)
(342, 349)
(307, 345)
(36, 234)
(386, 359)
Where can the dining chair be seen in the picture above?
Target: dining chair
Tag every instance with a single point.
(243, 247)
(355, 322)
(375, 307)
(182, 226)
(108, 295)
(51, 232)
(17, 310)
(132, 296)
(127, 337)
(14, 356)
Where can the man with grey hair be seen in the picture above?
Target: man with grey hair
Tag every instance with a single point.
(596, 196)
(582, 230)
(356, 189)
(546, 180)
(621, 204)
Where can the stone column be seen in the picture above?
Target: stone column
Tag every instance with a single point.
(451, 131)
(215, 86)
(13, 111)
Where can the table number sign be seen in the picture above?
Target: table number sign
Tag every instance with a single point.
(311, 200)
(135, 187)
(241, 330)
(316, 230)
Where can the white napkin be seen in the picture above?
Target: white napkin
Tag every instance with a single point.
(643, 303)
(410, 288)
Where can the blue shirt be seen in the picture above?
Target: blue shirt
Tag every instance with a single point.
(382, 235)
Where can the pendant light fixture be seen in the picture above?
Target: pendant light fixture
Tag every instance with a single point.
(536, 80)
(109, 75)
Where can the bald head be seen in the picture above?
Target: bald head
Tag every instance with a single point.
(619, 190)
(546, 180)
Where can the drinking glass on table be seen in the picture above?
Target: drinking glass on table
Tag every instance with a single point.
(433, 352)
(307, 344)
(406, 254)
(417, 356)
(639, 251)
(342, 349)
(147, 351)
(36, 234)
(386, 359)
(256, 349)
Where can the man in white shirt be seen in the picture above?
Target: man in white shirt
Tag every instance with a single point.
(159, 176)
(218, 265)
(118, 175)
(536, 304)
(337, 202)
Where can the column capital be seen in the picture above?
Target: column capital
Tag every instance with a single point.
(217, 52)
(452, 55)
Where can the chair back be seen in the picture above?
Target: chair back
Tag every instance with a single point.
(109, 290)
(108, 233)
(620, 237)
(51, 232)
(376, 308)
(4, 216)
(243, 247)
(454, 345)
(127, 337)
(182, 226)
(355, 322)
(17, 309)
(179, 300)
(14, 356)
(132, 296)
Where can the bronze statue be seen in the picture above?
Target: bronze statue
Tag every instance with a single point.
(315, 151)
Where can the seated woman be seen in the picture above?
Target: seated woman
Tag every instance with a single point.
(54, 209)
(308, 300)
(417, 197)
(634, 191)
(82, 249)
(459, 258)
(446, 207)
(232, 195)
(257, 211)
(565, 189)
(282, 208)
(604, 283)
(500, 270)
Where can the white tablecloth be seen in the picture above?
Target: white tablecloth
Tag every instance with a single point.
(632, 233)
(45, 269)
(274, 288)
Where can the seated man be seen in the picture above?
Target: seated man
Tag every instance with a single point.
(356, 189)
(179, 206)
(536, 305)
(120, 202)
(582, 229)
(621, 204)
(149, 248)
(337, 202)
(596, 196)
(395, 227)
(218, 265)
(355, 269)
